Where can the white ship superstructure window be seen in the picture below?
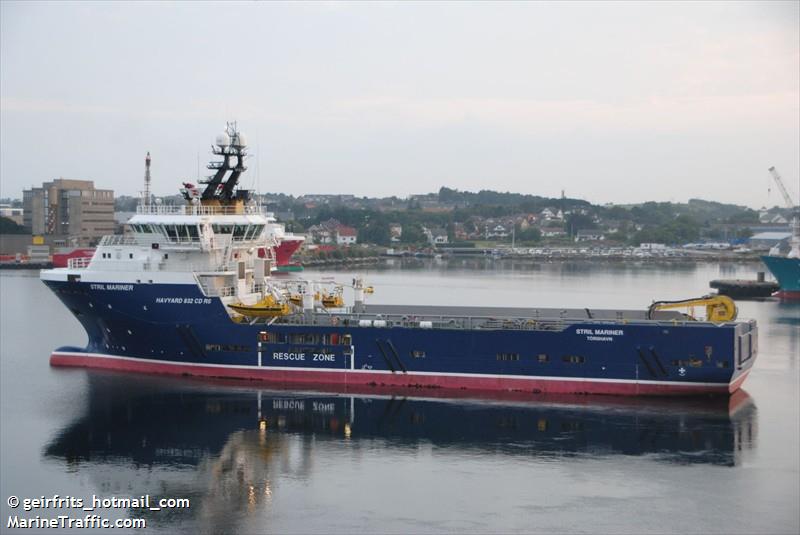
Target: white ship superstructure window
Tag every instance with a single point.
(239, 232)
(257, 230)
(222, 229)
(173, 233)
(143, 229)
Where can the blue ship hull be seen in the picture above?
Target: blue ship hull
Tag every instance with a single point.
(176, 329)
(787, 272)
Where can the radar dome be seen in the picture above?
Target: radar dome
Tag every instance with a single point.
(223, 140)
(240, 140)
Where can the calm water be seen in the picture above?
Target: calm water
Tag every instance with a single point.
(384, 462)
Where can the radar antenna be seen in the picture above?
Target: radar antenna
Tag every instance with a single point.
(146, 192)
(231, 145)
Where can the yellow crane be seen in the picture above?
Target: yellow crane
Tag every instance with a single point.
(718, 307)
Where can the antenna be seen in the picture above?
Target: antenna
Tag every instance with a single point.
(146, 194)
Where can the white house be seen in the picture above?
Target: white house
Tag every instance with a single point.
(346, 235)
(589, 235)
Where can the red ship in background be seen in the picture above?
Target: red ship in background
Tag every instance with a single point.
(287, 244)
(63, 255)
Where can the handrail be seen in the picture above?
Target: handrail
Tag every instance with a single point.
(455, 322)
(118, 239)
(81, 262)
(190, 209)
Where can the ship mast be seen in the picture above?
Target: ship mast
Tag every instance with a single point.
(231, 145)
(146, 192)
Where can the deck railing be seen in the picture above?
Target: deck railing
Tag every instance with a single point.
(82, 262)
(350, 319)
(213, 291)
(118, 239)
(190, 209)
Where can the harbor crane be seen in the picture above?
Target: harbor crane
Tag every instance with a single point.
(795, 240)
(779, 181)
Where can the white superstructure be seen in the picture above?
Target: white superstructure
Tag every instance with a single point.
(221, 240)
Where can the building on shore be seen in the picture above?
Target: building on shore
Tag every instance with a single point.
(333, 232)
(14, 214)
(71, 211)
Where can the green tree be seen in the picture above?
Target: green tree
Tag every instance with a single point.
(745, 216)
(412, 233)
(530, 234)
(8, 226)
(577, 221)
(375, 231)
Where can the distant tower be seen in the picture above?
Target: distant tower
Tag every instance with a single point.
(147, 180)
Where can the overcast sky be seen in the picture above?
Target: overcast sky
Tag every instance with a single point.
(611, 102)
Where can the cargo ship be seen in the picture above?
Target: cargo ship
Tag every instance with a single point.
(186, 292)
(786, 269)
(787, 272)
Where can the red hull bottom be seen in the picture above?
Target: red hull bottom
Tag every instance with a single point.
(383, 379)
(788, 295)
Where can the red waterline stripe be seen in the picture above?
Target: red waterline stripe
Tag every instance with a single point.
(584, 386)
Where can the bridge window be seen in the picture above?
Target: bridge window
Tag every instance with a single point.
(239, 232)
(172, 232)
(222, 229)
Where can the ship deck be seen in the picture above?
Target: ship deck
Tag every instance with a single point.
(515, 312)
(470, 317)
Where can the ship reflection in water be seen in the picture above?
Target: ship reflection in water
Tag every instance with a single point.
(230, 447)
